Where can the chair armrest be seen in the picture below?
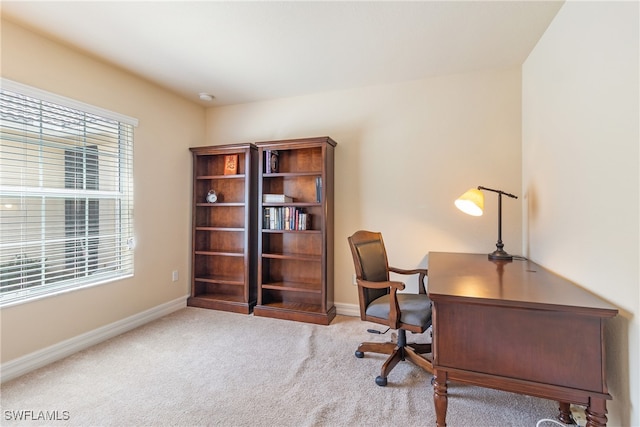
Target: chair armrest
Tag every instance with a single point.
(423, 272)
(394, 309)
(380, 285)
(413, 271)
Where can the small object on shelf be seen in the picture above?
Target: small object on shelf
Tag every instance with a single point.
(276, 198)
(231, 164)
(212, 196)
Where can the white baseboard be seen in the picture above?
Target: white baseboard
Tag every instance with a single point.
(352, 310)
(22, 365)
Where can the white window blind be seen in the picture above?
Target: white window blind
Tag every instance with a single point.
(66, 194)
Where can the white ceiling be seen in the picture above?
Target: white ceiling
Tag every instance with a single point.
(243, 51)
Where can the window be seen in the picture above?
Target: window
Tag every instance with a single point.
(66, 194)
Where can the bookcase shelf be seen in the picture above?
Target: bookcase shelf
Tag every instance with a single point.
(214, 253)
(240, 176)
(224, 259)
(218, 204)
(292, 231)
(219, 229)
(225, 280)
(295, 266)
(293, 287)
(293, 257)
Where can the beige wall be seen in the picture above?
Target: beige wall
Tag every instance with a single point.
(168, 125)
(581, 171)
(404, 153)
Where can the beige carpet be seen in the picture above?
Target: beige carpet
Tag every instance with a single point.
(206, 367)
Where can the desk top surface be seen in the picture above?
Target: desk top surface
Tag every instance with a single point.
(520, 283)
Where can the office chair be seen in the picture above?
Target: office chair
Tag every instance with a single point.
(381, 303)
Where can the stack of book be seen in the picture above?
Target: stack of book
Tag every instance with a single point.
(276, 198)
(285, 218)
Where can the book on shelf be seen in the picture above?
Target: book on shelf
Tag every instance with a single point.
(231, 164)
(271, 158)
(276, 198)
(319, 189)
(285, 218)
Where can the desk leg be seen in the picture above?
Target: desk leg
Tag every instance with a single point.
(565, 413)
(597, 413)
(440, 397)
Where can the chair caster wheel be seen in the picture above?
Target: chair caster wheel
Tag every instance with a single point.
(381, 381)
(359, 354)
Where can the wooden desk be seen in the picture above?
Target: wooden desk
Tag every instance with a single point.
(517, 327)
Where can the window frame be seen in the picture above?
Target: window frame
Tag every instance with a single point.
(89, 196)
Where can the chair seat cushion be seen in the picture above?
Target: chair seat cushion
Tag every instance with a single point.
(415, 309)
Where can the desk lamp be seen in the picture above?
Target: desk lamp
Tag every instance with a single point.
(472, 203)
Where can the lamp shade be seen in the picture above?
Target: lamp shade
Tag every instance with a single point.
(471, 202)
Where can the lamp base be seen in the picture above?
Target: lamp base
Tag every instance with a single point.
(500, 255)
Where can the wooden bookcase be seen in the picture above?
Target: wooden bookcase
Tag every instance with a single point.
(295, 263)
(223, 269)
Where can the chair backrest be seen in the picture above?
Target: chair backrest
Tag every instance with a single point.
(371, 263)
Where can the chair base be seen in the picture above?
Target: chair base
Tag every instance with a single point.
(397, 351)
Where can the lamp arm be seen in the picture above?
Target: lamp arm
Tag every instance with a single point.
(499, 253)
(480, 187)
